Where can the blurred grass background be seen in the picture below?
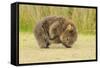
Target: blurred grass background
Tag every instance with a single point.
(84, 18)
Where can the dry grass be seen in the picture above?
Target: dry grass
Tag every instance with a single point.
(29, 51)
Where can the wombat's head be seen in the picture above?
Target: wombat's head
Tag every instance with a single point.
(69, 36)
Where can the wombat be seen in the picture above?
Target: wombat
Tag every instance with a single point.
(55, 29)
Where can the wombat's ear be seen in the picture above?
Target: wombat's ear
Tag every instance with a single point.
(69, 27)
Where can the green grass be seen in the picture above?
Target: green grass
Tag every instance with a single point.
(29, 15)
(29, 52)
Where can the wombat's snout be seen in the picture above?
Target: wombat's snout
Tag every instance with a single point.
(67, 45)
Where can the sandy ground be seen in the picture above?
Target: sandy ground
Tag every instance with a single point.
(29, 51)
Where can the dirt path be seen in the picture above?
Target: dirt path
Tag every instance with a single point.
(29, 51)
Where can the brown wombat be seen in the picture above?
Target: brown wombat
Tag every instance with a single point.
(55, 29)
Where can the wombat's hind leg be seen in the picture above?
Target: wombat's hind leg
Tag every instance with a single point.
(43, 43)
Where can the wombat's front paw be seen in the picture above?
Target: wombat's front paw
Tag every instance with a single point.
(67, 46)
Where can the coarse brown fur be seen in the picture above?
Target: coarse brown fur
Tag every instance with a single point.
(55, 29)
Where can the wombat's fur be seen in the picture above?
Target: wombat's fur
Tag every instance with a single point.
(55, 29)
